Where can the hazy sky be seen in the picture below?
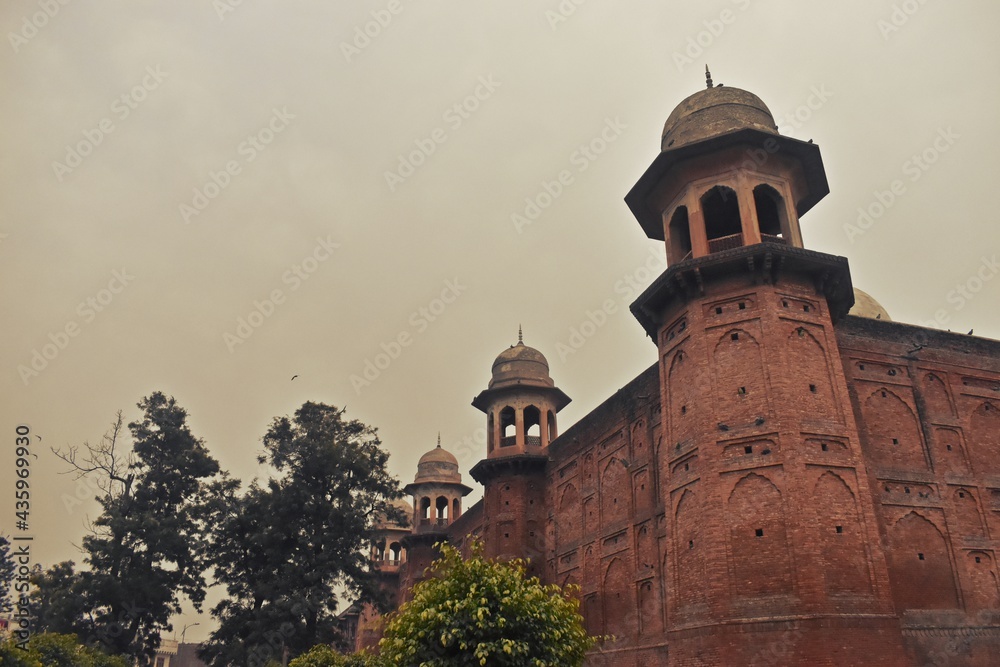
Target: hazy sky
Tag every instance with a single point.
(168, 168)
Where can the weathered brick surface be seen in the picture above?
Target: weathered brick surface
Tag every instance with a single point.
(938, 504)
(755, 499)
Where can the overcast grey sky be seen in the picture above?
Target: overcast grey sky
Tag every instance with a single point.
(168, 168)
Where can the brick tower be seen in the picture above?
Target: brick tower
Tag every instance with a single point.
(773, 544)
(520, 402)
(437, 491)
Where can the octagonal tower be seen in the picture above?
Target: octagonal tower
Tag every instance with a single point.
(520, 402)
(772, 531)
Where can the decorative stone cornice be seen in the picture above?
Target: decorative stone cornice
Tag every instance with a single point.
(489, 469)
(765, 263)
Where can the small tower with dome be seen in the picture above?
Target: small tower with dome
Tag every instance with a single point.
(520, 402)
(437, 492)
(725, 178)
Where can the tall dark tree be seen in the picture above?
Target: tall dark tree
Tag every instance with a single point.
(284, 549)
(146, 548)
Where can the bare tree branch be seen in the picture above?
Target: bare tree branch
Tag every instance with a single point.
(103, 460)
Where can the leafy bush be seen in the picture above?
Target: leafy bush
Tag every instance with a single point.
(479, 611)
(324, 656)
(50, 649)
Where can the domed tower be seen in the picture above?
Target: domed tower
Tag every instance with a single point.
(771, 524)
(437, 491)
(387, 549)
(520, 402)
(725, 178)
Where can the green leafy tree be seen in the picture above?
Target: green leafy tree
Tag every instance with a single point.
(485, 612)
(55, 650)
(57, 601)
(146, 549)
(285, 550)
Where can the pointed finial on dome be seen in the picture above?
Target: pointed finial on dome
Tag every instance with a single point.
(439, 440)
(520, 335)
(708, 77)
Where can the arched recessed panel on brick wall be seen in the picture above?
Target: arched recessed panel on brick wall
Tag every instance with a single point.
(615, 492)
(840, 536)
(590, 569)
(966, 520)
(937, 397)
(812, 386)
(690, 548)
(589, 477)
(983, 588)
(920, 569)
(551, 539)
(569, 515)
(893, 434)
(947, 451)
(759, 553)
(593, 617)
(740, 385)
(591, 518)
(640, 440)
(681, 396)
(645, 549)
(984, 436)
(649, 608)
(642, 488)
(617, 592)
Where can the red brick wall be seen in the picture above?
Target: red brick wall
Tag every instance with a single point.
(754, 498)
(928, 410)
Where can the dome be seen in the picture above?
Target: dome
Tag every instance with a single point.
(438, 455)
(438, 465)
(713, 112)
(404, 507)
(520, 364)
(866, 306)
